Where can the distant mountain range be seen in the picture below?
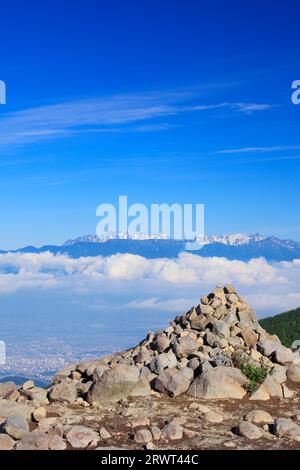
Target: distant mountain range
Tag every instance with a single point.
(235, 246)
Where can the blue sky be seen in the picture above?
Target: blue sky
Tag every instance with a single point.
(173, 101)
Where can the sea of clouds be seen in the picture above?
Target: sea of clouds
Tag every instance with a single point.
(152, 285)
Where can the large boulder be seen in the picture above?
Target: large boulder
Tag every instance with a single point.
(8, 408)
(16, 426)
(172, 381)
(219, 382)
(65, 391)
(115, 384)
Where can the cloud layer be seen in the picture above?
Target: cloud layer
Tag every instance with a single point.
(161, 284)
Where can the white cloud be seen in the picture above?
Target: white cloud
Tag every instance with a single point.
(274, 148)
(159, 284)
(116, 113)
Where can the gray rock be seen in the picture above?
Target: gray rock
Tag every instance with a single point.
(16, 426)
(189, 373)
(283, 355)
(39, 414)
(115, 384)
(8, 408)
(285, 427)
(219, 382)
(142, 436)
(81, 437)
(259, 417)
(194, 363)
(212, 417)
(37, 394)
(56, 442)
(104, 434)
(206, 309)
(28, 385)
(249, 430)
(161, 343)
(65, 391)
(162, 361)
(6, 442)
(6, 389)
(172, 381)
(156, 433)
(185, 346)
(293, 373)
(220, 328)
(279, 373)
(98, 372)
(172, 432)
(141, 388)
(273, 387)
(34, 441)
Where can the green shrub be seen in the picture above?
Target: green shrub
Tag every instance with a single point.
(255, 375)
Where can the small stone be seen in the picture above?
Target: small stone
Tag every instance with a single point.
(6, 442)
(285, 427)
(229, 444)
(80, 437)
(46, 424)
(149, 445)
(172, 432)
(212, 417)
(249, 430)
(199, 407)
(178, 420)
(189, 433)
(140, 421)
(6, 389)
(39, 414)
(16, 426)
(259, 417)
(156, 432)
(104, 434)
(28, 385)
(142, 436)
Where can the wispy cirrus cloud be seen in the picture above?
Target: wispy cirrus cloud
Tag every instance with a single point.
(116, 113)
(274, 148)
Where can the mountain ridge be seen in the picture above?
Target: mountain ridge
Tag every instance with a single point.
(231, 246)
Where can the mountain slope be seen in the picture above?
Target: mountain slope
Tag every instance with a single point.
(233, 247)
(286, 326)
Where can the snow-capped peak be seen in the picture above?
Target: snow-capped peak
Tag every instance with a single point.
(230, 239)
(116, 236)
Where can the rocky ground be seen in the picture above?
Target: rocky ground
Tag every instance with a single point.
(213, 379)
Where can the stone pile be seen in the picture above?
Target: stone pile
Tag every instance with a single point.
(204, 353)
(199, 353)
